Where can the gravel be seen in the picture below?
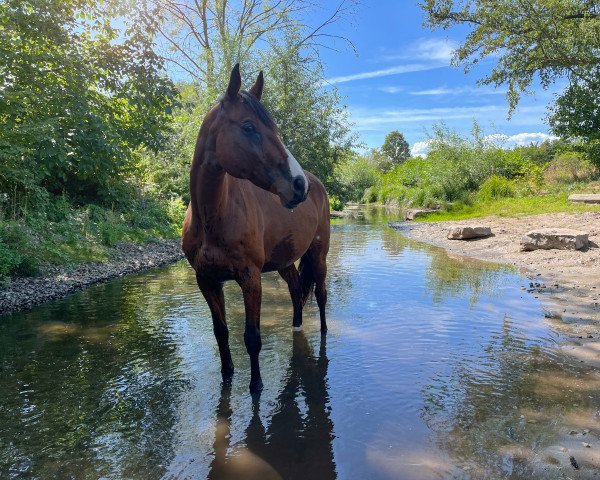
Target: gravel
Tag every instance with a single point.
(58, 282)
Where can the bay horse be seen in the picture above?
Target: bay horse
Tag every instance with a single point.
(253, 209)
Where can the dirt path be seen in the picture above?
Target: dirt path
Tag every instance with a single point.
(24, 293)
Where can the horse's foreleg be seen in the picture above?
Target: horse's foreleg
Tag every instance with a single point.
(252, 291)
(290, 275)
(213, 293)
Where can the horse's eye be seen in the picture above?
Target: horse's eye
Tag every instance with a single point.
(248, 128)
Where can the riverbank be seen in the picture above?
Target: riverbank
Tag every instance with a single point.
(58, 282)
(567, 280)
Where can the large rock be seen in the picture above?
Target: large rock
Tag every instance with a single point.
(413, 213)
(559, 238)
(462, 232)
(585, 197)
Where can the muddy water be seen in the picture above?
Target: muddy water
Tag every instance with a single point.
(433, 367)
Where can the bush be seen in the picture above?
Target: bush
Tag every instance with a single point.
(569, 167)
(496, 187)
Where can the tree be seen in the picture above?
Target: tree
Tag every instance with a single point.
(535, 38)
(577, 111)
(78, 96)
(396, 148)
(205, 38)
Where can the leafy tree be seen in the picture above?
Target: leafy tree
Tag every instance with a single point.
(545, 38)
(576, 114)
(396, 148)
(78, 96)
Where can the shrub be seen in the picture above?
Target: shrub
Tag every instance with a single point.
(569, 167)
(496, 187)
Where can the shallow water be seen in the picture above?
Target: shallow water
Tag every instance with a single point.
(433, 367)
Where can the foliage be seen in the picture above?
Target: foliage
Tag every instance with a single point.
(496, 187)
(461, 170)
(569, 167)
(59, 232)
(539, 38)
(576, 114)
(396, 148)
(78, 97)
(354, 175)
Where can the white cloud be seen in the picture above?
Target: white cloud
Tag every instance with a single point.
(528, 138)
(420, 149)
(381, 118)
(414, 67)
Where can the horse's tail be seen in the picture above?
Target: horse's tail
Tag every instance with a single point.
(307, 277)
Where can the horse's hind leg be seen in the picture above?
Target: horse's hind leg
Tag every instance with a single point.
(320, 272)
(316, 257)
(213, 293)
(290, 275)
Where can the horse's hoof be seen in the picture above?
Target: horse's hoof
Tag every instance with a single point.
(297, 328)
(256, 387)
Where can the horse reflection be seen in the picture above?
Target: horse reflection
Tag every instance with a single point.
(298, 441)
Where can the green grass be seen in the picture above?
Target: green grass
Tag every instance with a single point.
(512, 207)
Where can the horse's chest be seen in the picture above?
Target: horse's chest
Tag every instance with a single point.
(214, 262)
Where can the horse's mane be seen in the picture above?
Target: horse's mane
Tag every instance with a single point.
(258, 108)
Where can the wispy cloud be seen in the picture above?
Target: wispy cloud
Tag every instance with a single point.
(370, 120)
(467, 90)
(413, 67)
(392, 89)
(432, 49)
(424, 54)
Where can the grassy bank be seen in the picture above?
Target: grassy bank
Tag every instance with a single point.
(60, 233)
(511, 207)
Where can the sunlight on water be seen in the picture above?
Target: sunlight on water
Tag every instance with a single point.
(433, 367)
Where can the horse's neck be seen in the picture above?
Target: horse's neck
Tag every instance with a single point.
(208, 187)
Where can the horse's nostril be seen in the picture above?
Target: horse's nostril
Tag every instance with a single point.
(299, 184)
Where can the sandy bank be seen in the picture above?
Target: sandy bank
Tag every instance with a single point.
(59, 282)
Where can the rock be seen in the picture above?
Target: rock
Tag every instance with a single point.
(585, 198)
(464, 233)
(559, 238)
(412, 213)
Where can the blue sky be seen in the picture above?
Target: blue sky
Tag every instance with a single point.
(402, 80)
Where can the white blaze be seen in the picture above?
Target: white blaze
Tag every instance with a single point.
(296, 169)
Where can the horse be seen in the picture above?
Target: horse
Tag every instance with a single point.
(252, 209)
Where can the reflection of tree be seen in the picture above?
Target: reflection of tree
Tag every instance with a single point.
(459, 276)
(93, 394)
(297, 441)
(496, 414)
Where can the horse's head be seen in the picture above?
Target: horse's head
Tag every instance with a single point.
(248, 145)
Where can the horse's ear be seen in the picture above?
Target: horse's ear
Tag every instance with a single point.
(257, 88)
(235, 82)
